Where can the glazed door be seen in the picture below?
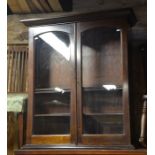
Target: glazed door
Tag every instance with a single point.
(102, 87)
(53, 75)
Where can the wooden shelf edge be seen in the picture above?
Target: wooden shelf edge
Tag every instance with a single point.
(53, 115)
(80, 152)
(101, 114)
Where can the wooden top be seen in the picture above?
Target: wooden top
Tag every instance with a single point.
(126, 14)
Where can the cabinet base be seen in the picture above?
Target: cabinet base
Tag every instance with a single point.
(80, 152)
(79, 147)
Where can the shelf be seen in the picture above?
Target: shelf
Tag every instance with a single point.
(50, 90)
(102, 114)
(119, 88)
(52, 115)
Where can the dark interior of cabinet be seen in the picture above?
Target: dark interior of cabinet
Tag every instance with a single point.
(101, 57)
(102, 101)
(101, 66)
(102, 111)
(59, 124)
(51, 113)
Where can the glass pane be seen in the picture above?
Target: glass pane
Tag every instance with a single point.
(102, 81)
(101, 55)
(103, 124)
(50, 103)
(51, 125)
(53, 67)
(101, 100)
(52, 83)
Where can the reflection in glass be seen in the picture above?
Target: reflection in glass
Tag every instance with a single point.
(110, 87)
(52, 63)
(49, 103)
(52, 40)
(57, 89)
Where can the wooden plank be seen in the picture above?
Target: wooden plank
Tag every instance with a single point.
(26, 73)
(125, 99)
(79, 84)
(10, 132)
(73, 102)
(13, 70)
(23, 80)
(21, 70)
(31, 89)
(84, 16)
(38, 5)
(53, 114)
(26, 87)
(24, 6)
(14, 6)
(45, 6)
(17, 66)
(32, 6)
(18, 71)
(20, 129)
(55, 5)
(48, 139)
(8, 69)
